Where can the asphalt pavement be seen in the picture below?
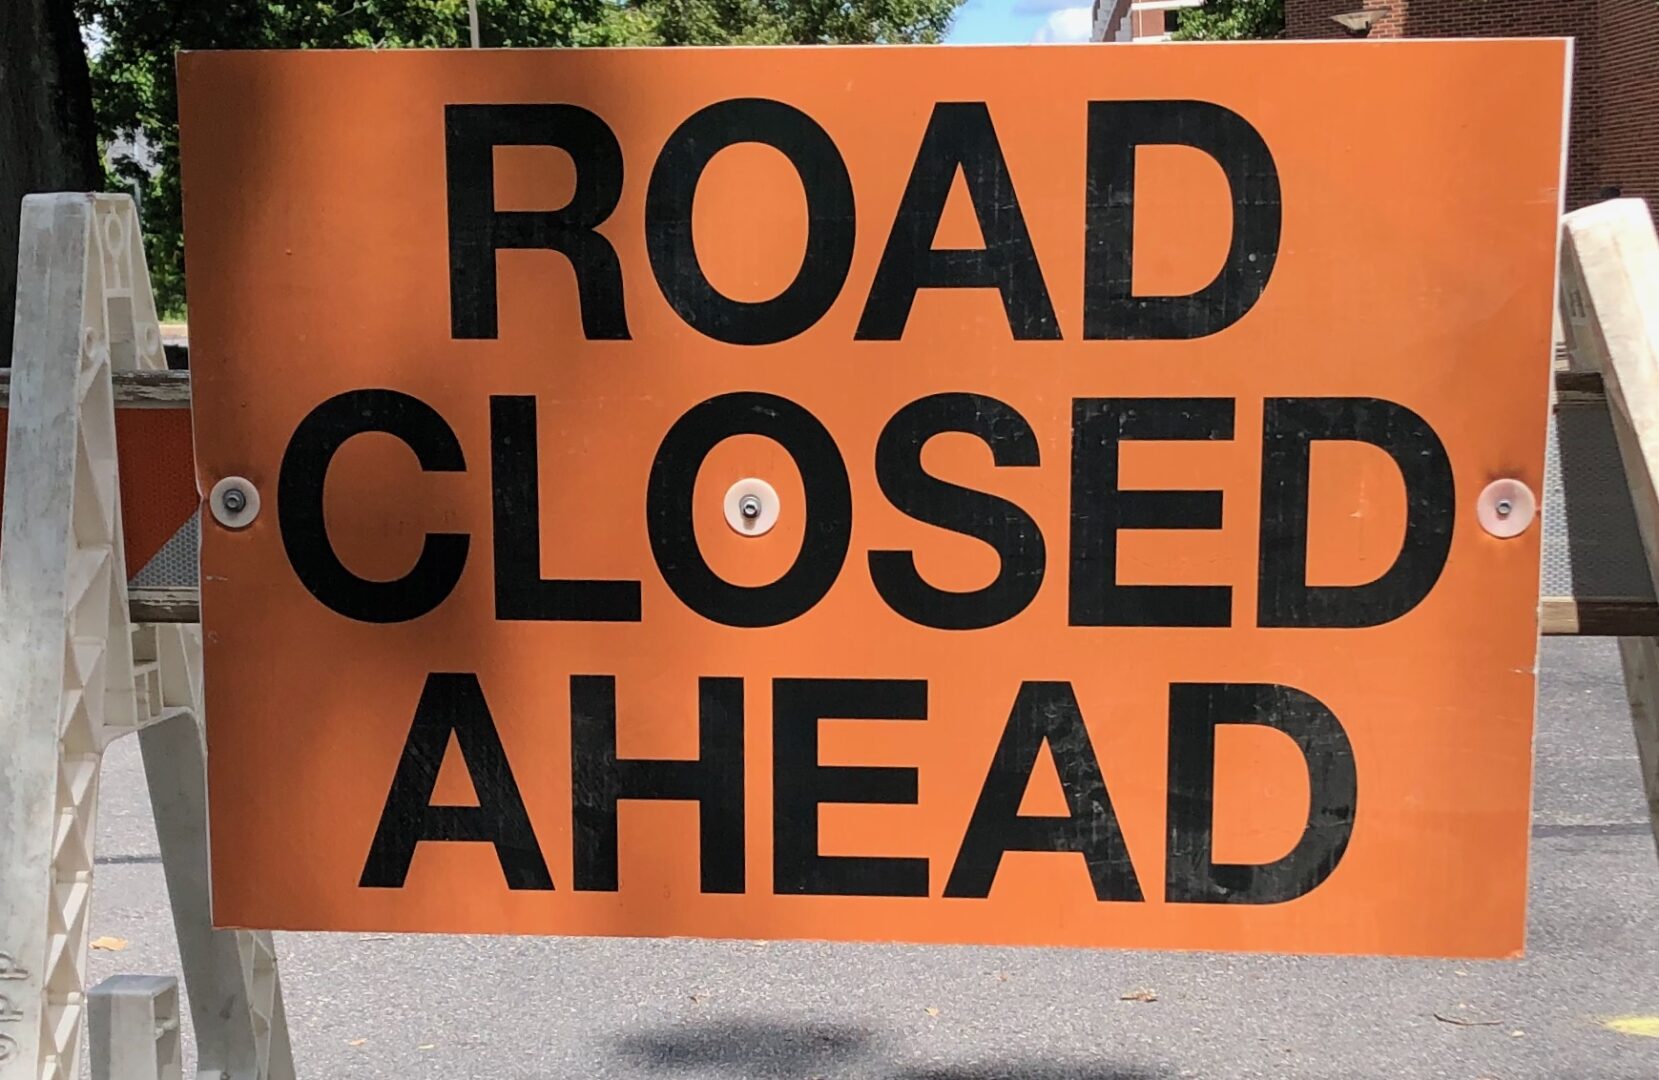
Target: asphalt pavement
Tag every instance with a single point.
(607, 1009)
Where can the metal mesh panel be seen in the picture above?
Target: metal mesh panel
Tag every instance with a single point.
(178, 564)
(1591, 547)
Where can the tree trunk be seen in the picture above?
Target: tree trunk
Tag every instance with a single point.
(48, 140)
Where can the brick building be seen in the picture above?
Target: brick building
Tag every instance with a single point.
(1614, 140)
(1140, 20)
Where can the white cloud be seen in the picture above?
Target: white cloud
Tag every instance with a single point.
(1067, 24)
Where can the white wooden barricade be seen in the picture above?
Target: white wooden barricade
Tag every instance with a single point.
(76, 673)
(1610, 301)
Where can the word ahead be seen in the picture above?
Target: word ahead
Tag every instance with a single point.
(977, 495)
(1045, 716)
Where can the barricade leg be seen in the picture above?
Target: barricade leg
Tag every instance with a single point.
(1610, 264)
(1640, 658)
(235, 996)
(75, 674)
(134, 1023)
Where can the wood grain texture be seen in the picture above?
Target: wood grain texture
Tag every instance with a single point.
(1611, 265)
(136, 389)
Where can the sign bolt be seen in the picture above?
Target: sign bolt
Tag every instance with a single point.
(1506, 508)
(751, 507)
(234, 502)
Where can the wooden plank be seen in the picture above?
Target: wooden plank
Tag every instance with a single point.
(1579, 389)
(1568, 616)
(1639, 657)
(153, 604)
(135, 389)
(1610, 265)
(153, 390)
(1559, 615)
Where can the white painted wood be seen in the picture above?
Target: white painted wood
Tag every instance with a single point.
(1639, 657)
(1610, 289)
(139, 389)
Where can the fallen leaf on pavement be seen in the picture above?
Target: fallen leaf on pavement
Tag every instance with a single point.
(109, 944)
(1466, 1021)
(931, 1011)
(1139, 995)
(1645, 1026)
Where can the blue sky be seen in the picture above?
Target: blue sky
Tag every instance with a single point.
(1009, 21)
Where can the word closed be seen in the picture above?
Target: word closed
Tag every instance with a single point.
(977, 495)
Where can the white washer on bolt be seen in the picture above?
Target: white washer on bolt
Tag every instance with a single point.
(751, 507)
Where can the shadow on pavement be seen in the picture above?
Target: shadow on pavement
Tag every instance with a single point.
(756, 1048)
(784, 1050)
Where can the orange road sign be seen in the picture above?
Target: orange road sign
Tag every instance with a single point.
(1027, 495)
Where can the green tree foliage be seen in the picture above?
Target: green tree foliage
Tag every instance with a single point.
(1232, 20)
(134, 90)
(785, 22)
